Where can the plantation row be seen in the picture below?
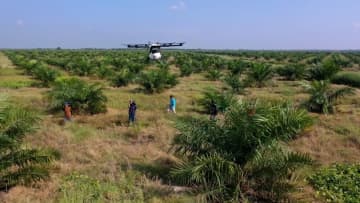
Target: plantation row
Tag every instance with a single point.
(343, 59)
(130, 67)
(243, 156)
(124, 67)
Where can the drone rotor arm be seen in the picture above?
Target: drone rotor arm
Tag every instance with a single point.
(172, 44)
(137, 46)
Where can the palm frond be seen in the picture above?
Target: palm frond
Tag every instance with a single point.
(340, 93)
(25, 175)
(26, 157)
(217, 176)
(17, 122)
(7, 143)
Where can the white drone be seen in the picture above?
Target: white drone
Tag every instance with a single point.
(154, 48)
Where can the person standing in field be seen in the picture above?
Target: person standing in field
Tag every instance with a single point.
(172, 105)
(213, 110)
(132, 111)
(67, 111)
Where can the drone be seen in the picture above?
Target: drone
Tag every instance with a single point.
(154, 48)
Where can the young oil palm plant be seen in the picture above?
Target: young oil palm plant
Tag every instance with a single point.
(259, 74)
(122, 78)
(185, 69)
(324, 71)
(223, 100)
(19, 165)
(84, 97)
(227, 160)
(323, 97)
(233, 81)
(45, 74)
(155, 81)
(292, 71)
(213, 74)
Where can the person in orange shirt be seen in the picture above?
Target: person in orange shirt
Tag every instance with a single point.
(67, 111)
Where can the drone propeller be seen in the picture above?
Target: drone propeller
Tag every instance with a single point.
(137, 45)
(172, 44)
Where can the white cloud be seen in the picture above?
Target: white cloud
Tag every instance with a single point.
(19, 22)
(178, 6)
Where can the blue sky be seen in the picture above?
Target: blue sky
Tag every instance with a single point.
(228, 24)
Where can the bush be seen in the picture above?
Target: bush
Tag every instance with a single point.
(231, 159)
(338, 183)
(347, 78)
(223, 100)
(292, 72)
(83, 97)
(157, 80)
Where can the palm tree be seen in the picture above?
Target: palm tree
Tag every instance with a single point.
(19, 165)
(223, 100)
(213, 74)
(292, 71)
(155, 81)
(324, 71)
(45, 74)
(226, 160)
(233, 80)
(323, 97)
(84, 97)
(259, 74)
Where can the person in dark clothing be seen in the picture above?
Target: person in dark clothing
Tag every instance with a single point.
(132, 111)
(213, 110)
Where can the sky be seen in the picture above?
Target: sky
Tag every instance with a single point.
(206, 24)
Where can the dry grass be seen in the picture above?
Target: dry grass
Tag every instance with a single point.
(5, 62)
(102, 146)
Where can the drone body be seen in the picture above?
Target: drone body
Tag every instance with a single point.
(154, 48)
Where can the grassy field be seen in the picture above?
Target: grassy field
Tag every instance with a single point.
(103, 148)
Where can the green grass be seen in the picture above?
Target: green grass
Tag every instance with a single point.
(81, 188)
(80, 132)
(347, 78)
(338, 183)
(13, 78)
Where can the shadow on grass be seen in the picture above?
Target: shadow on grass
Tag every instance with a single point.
(160, 169)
